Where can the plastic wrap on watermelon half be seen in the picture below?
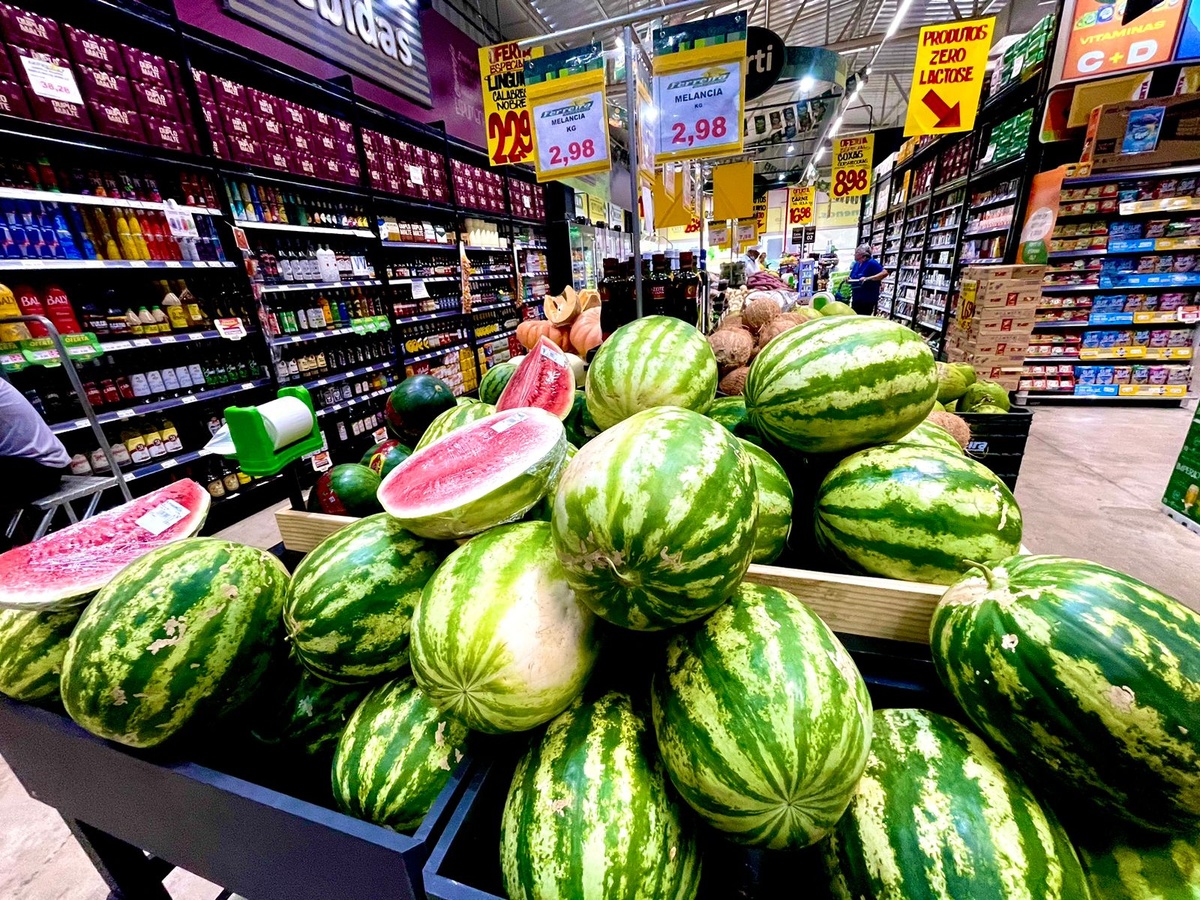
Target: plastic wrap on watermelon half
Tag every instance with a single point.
(484, 474)
(66, 567)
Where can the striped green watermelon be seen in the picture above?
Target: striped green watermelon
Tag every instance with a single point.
(304, 713)
(395, 755)
(32, 647)
(351, 599)
(348, 489)
(915, 513)
(938, 817)
(654, 520)
(498, 638)
(588, 814)
(930, 434)
(453, 419)
(578, 423)
(841, 383)
(1089, 678)
(775, 498)
(183, 633)
(731, 412)
(382, 458)
(1142, 866)
(494, 380)
(654, 361)
(763, 720)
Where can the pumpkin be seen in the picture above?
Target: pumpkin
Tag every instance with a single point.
(585, 333)
(530, 330)
(563, 308)
(589, 299)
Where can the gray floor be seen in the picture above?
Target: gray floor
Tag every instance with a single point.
(1092, 479)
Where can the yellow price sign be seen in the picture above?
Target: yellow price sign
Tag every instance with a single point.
(851, 176)
(948, 76)
(800, 205)
(505, 114)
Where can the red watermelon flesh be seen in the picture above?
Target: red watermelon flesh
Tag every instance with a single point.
(543, 380)
(65, 567)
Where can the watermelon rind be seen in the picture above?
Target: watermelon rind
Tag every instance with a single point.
(495, 379)
(302, 713)
(1088, 678)
(498, 637)
(65, 568)
(588, 813)
(350, 604)
(32, 647)
(183, 633)
(1140, 865)
(731, 412)
(453, 419)
(930, 434)
(395, 756)
(654, 520)
(937, 815)
(775, 498)
(414, 403)
(763, 720)
(652, 361)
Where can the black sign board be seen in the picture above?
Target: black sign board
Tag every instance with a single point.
(765, 59)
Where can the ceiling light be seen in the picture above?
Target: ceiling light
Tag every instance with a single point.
(807, 83)
(895, 24)
(791, 148)
(867, 71)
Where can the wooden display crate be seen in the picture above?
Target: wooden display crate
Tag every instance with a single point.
(849, 604)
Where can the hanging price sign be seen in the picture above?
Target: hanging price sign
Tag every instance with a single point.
(505, 114)
(851, 176)
(746, 231)
(565, 93)
(718, 234)
(800, 205)
(699, 75)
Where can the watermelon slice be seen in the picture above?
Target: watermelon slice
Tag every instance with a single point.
(64, 568)
(543, 380)
(483, 474)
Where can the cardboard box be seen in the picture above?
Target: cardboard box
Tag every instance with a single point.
(238, 123)
(49, 109)
(271, 129)
(229, 94)
(267, 106)
(306, 164)
(984, 274)
(96, 52)
(1008, 377)
(1183, 487)
(278, 157)
(167, 134)
(1112, 143)
(13, 101)
(1001, 350)
(244, 149)
(204, 86)
(101, 85)
(155, 100)
(26, 29)
(117, 119)
(146, 67)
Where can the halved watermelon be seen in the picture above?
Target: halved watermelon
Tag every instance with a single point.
(543, 380)
(64, 568)
(481, 475)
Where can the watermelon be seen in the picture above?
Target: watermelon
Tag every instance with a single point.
(588, 814)
(395, 755)
(32, 647)
(414, 403)
(304, 713)
(774, 504)
(763, 721)
(578, 423)
(346, 490)
(841, 383)
(837, 308)
(452, 419)
(495, 379)
(937, 815)
(731, 412)
(351, 599)
(65, 568)
(654, 520)
(498, 638)
(183, 633)
(984, 393)
(1140, 866)
(382, 458)
(543, 379)
(930, 434)
(915, 513)
(653, 361)
(952, 382)
(989, 409)
(1088, 678)
(491, 471)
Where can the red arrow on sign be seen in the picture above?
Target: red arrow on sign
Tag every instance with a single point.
(948, 116)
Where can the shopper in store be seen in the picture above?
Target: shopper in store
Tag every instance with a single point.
(32, 460)
(865, 275)
(752, 261)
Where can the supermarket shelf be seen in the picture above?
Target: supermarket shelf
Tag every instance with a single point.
(1117, 354)
(1049, 360)
(499, 305)
(919, 198)
(408, 200)
(154, 468)
(536, 274)
(342, 376)
(995, 201)
(305, 229)
(982, 261)
(994, 230)
(498, 336)
(1152, 245)
(940, 307)
(428, 317)
(932, 326)
(318, 286)
(158, 406)
(346, 404)
(1014, 88)
(311, 336)
(493, 275)
(159, 340)
(940, 288)
(1170, 204)
(474, 249)
(418, 245)
(1111, 177)
(1172, 392)
(1071, 254)
(994, 169)
(13, 193)
(434, 354)
(1071, 288)
(410, 280)
(946, 266)
(1183, 520)
(944, 228)
(59, 264)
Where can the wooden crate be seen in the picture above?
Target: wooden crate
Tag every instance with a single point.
(849, 604)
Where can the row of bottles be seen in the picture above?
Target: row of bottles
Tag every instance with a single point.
(328, 395)
(161, 374)
(299, 261)
(490, 295)
(191, 189)
(223, 477)
(421, 337)
(301, 363)
(441, 296)
(427, 265)
(263, 203)
(352, 424)
(306, 311)
(663, 293)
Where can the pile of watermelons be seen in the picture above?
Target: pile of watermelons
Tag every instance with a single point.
(570, 564)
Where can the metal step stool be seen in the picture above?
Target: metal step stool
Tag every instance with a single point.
(74, 487)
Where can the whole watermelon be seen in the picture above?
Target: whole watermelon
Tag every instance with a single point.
(915, 513)
(653, 361)
(1140, 866)
(841, 383)
(304, 713)
(930, 434)
(1088, 678)
(654, 520)
(763, 721)
(775, 499)
(350, 604)
(936, 815)
(395, 755)
(414, 403)
(588, 813)
(578, 423)
(32, 647)
(184, 633)
(731, 412)
(382, 458)
(346, 490)
(837, 308)
(984, 393)
(452, 419)
(498, 638)
(494, 381)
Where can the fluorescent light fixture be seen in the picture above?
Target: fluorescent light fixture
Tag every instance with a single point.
(899, 17)
(791, 148)
(867, 71)
(819, 154)
(807, 83)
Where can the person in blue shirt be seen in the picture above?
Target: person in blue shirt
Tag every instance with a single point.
(865, 275)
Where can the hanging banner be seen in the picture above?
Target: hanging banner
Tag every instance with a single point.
(1106, 39)
(505, 115)
(760, 214)
(838, 213)
(800, 205)
(718, 234)
(565, 94)
(948, 76)
(733, 190)
(1040, 216)
(647, 118)
(699, 71)
(851, 175)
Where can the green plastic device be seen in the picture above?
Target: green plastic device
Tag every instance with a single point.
(255, 451)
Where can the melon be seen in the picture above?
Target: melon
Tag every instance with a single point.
(543, 379)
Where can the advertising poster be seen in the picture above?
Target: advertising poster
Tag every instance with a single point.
(948, 77)
(1099, 43)
(1040, 216)
(851, 175)
(505, 115)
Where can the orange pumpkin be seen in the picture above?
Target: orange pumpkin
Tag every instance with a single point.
(585, 333)
(561, 309)
(589, 299)
(530, 330)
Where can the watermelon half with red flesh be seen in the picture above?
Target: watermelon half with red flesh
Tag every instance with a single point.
(543, 380)
(66, 567)
(484, 474)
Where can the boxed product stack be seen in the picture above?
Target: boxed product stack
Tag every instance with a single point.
(478, 188)
(398, 167)
(527, 200)
(1023, 56)
(1008, 139)
(997, 307)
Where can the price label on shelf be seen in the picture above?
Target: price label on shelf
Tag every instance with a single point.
(51, 81)
(419, 291)
(321, 462)
(380, 435)
(230, 329)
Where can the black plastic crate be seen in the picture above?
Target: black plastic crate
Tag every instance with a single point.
(999, 441)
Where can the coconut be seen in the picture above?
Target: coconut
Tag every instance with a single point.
(732, 321)
(735, 382)
(777, 326)
(759, 312)
(958, 427)
(731, 346)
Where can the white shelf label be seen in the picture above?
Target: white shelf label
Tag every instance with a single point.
(52, 81)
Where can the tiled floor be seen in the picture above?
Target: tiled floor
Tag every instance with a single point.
(1091, 483)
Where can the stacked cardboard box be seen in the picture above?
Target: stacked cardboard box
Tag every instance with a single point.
(997, 306)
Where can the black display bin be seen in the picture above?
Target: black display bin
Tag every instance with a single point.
(999, 441)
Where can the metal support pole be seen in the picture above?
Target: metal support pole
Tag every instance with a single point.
(634, 177)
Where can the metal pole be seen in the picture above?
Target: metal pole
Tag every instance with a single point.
(618, 21)
(634, 176)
